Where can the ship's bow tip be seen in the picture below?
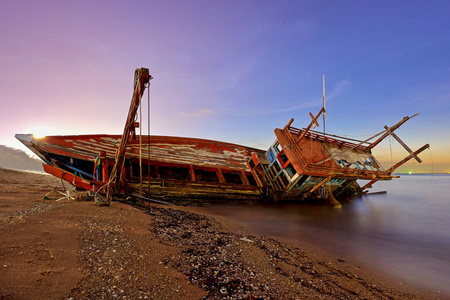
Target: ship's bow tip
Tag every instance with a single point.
(24, 138)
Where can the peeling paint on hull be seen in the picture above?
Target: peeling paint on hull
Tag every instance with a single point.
(174, 155)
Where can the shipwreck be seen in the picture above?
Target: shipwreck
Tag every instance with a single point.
(301, 164)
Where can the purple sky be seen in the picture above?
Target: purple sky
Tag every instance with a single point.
(230, 70)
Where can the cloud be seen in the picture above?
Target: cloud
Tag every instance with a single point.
(339, 88)
(198, 114)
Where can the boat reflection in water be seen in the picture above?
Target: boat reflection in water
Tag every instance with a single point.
(403, 233)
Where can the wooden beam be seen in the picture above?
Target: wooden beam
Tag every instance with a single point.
(391, 129)
(244, 178)
(319, 184)
(314, 120)
(192, 172)
(220, 175)
(368, 185)
(404, 145)
(290, 122)
(390, 170)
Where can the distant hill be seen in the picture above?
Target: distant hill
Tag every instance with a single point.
(11, 158)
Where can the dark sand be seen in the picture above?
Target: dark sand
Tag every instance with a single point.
(73, 249)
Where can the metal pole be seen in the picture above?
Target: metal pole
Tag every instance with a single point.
(324, 109)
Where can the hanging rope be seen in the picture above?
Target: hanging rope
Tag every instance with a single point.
(390, 149)
(140, 146)
(148, 133)
(432, 175)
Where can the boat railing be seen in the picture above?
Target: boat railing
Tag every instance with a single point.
(338, 172)
(313, 135)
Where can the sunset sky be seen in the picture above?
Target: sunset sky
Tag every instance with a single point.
(230, 70)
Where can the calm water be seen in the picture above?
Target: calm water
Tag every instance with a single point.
(405, 233)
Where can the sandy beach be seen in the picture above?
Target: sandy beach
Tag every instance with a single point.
(71, 249)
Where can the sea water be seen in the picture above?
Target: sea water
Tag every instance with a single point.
(404, 233)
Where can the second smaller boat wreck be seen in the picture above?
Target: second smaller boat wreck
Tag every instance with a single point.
(300, 165)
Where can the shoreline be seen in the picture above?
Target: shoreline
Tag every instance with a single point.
(74, 249)
(322, 253)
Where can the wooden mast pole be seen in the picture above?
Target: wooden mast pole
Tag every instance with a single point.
(141, 78)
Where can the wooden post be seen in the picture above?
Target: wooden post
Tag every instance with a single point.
(192, 172)
(314, 120)
(290, 122)
(220, 175)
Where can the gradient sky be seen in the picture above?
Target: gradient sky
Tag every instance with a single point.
(230, 70)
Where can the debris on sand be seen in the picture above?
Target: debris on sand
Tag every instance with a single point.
(234, 266)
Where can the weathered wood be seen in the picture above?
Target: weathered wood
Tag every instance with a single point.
(369, 184)
(320, 184)
(391, 129)
(404, 145)
(141, 79)
(314, 120)
(423, 148)
(354, 147)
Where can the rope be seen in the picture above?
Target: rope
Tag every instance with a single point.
(390, 149)
(356, 135)
(140, 145)
(311, 154)
(148, 133)
(432, 176)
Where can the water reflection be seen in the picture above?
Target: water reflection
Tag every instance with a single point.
(404, 232)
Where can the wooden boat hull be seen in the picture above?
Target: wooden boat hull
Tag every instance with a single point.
(175, 167)
(300, 165)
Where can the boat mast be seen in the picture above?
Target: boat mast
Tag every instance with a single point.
(141, 79)
(323, 105)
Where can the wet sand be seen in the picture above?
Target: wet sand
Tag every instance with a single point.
(73, 249)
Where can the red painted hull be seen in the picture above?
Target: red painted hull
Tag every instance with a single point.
(71, 158)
